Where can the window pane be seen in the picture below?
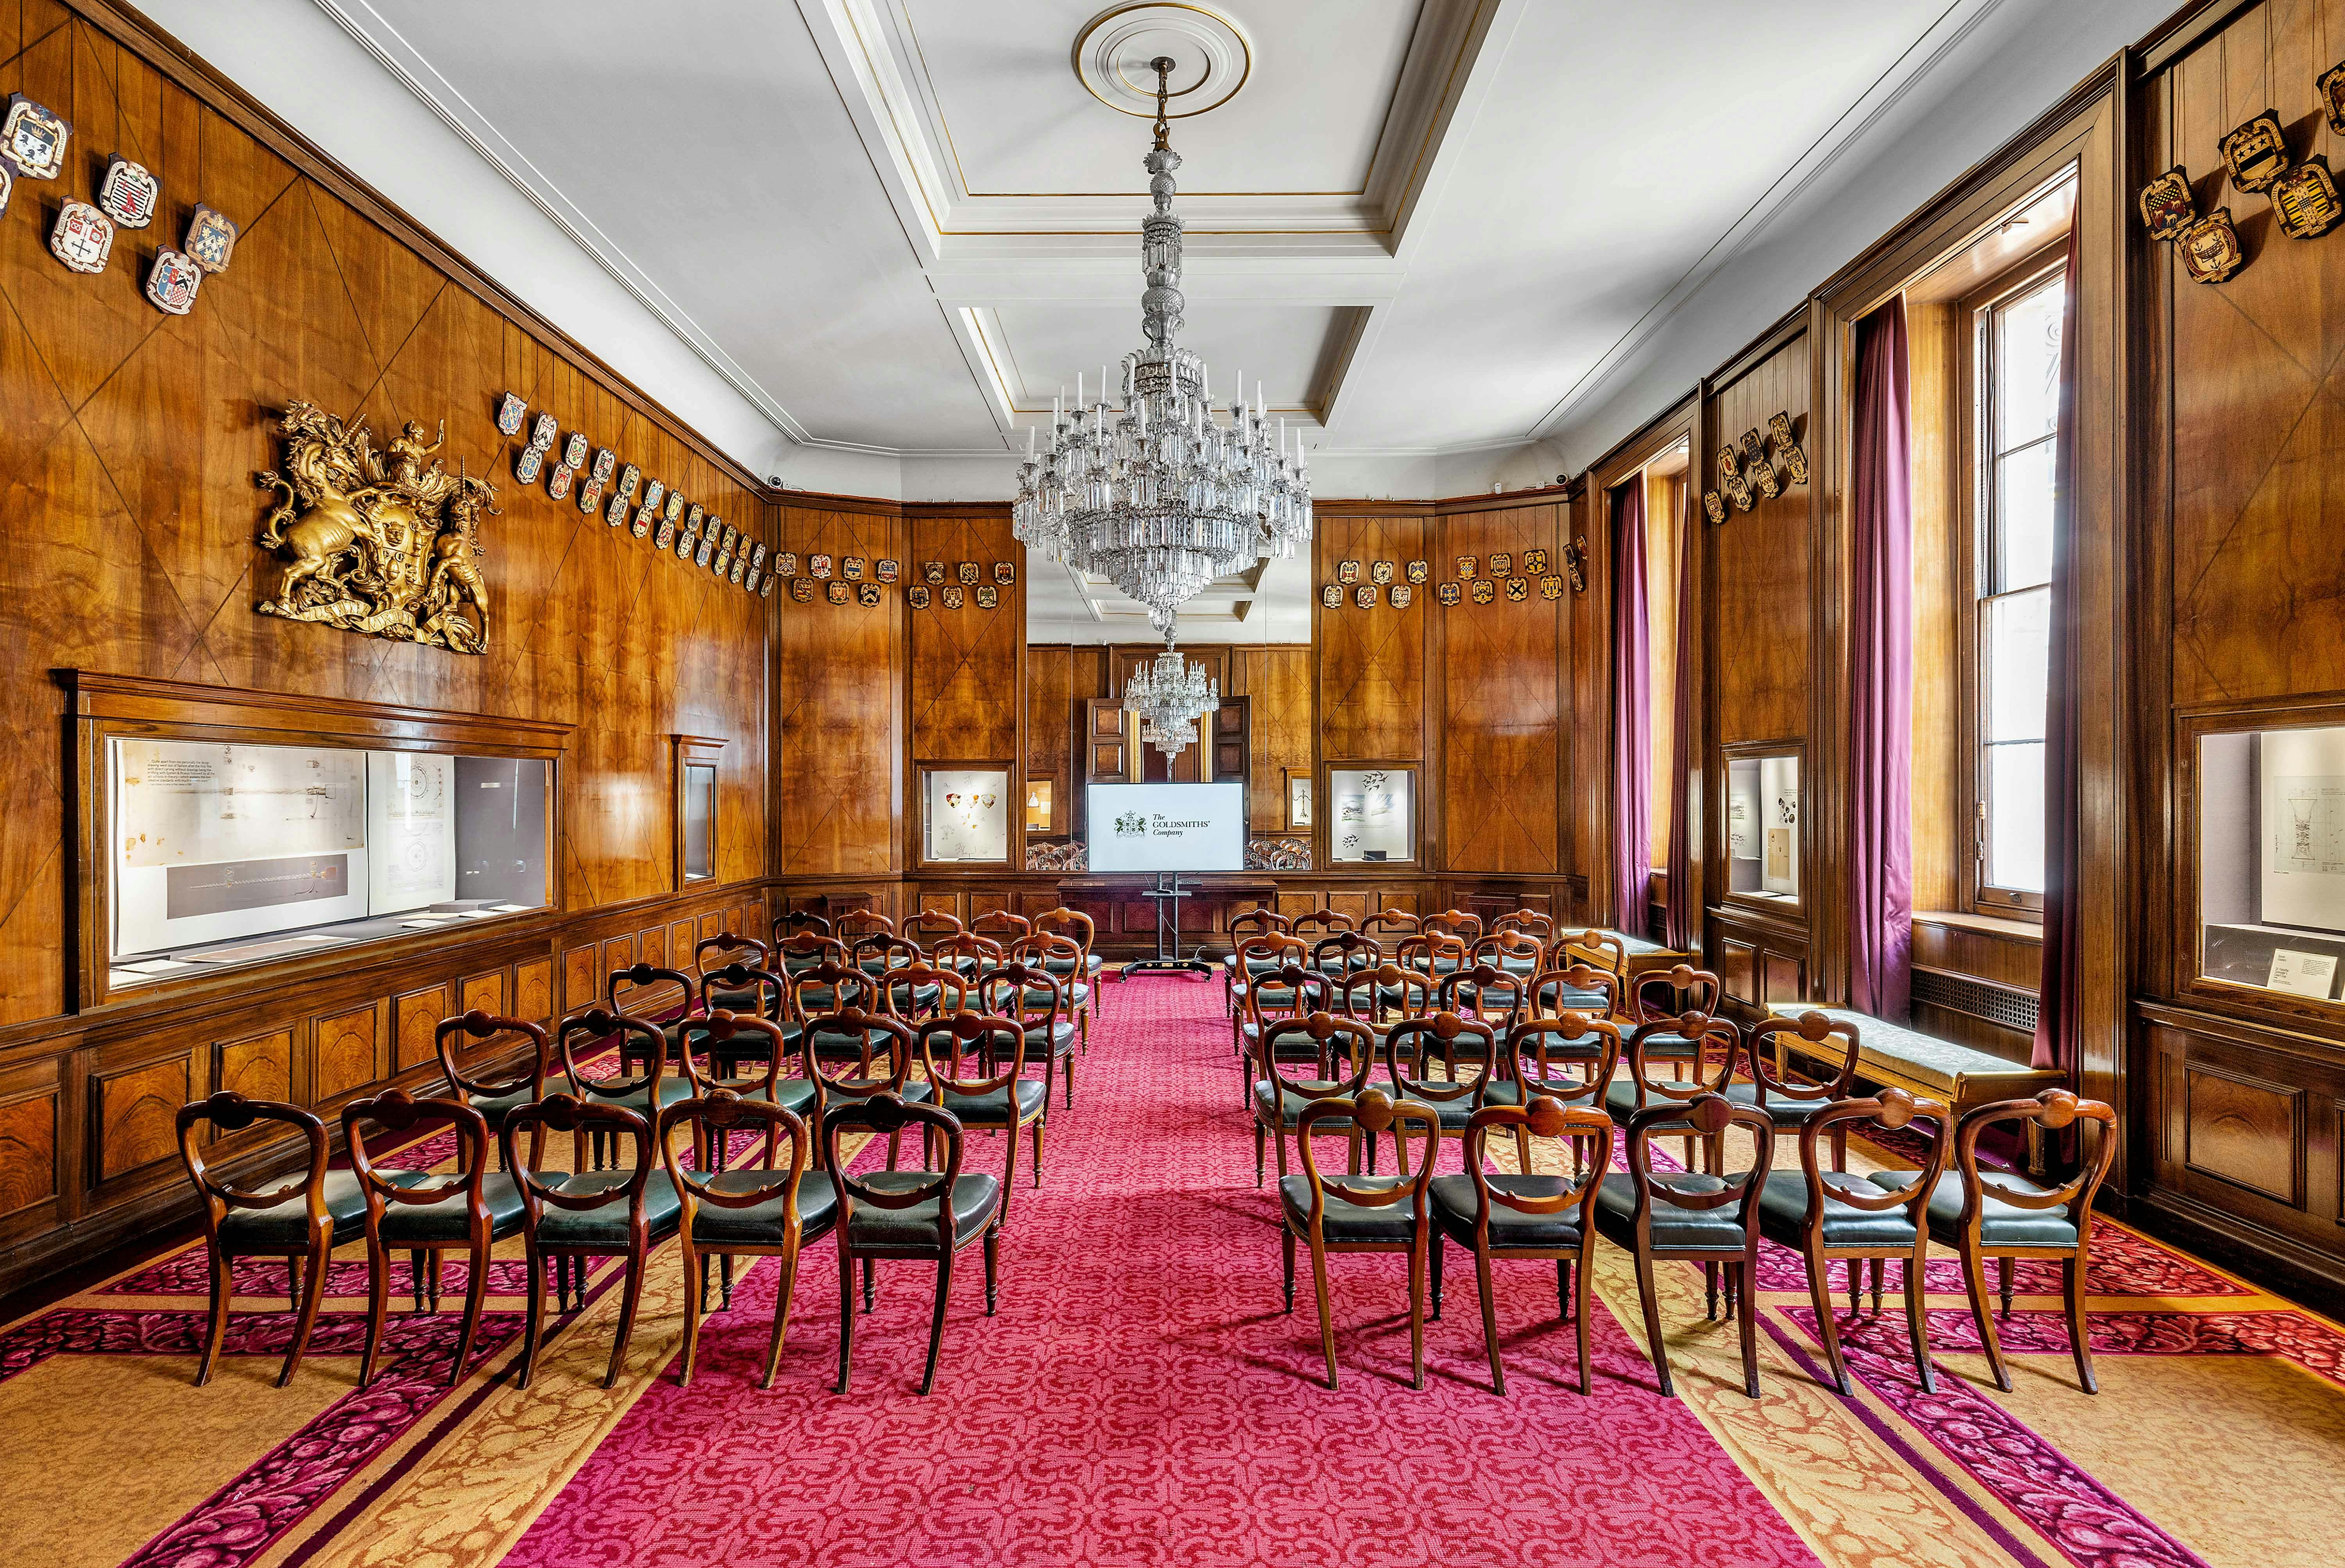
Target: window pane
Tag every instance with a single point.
(2017, 635)
(2015, 816)
(2027, 367)
(2023, 515)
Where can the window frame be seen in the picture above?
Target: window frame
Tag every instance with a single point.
(1977, 411)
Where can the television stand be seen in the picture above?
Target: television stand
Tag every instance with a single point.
(1166, 895)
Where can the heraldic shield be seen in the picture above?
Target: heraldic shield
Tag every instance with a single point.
(379, 543)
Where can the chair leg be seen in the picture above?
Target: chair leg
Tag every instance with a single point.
(1286, 1251)
(992, 1268)
(223, 1285)
(476, 1290)
(2003, 1283)
(870, 1284)
(1975, 1285)
(845, 1306)
(1433, 1271)
(378, 1307)
(1416, 1313)
(1710, 1291)
(1880, 1266)
(1917, 1324)
(1071, 1083)
(696, 1306)
(1327, 1308)
(1856, 1287)
(1258, 1135)
(1008, 1169)
(1742, 1278)
(532, 1328)
(1820, 1291)
(1523, 1148)
(1489, 1319)
(2072, 1279)
(415, 1279)
(1579, 1320)
(1038, 1152)
(314, 1292)
(1649, 1299)
(937, 1320)
(630, 1294)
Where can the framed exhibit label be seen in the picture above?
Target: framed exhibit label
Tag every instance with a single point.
(965, 814)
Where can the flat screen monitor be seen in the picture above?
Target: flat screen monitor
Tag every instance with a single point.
(1167, 827)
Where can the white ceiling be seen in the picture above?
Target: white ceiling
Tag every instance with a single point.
(898, 225)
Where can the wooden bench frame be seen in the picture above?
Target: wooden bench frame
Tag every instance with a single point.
(1876, 1063)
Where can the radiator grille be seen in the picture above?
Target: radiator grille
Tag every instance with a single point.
(2005, 1005)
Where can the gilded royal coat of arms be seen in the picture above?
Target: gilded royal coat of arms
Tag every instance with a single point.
(385, 544)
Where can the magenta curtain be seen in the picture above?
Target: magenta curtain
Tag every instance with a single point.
(1632, 747)
(1880, 673)
(1682, 917)
(2058, 1015)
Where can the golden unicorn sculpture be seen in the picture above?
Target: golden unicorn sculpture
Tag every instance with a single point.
(377, 542)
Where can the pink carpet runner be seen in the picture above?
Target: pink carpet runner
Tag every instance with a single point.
(1142, 1399)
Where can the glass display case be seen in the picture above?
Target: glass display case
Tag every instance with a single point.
(1374, 814)
(700, 821)
(1037, 806)
(235, 853)
(2271, 859)
(965, 814)
(1762, 826)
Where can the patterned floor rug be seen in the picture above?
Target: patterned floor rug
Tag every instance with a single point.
(1141, 1398)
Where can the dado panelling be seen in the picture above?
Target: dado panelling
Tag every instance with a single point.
(1762, 571)
(1502, 700)
(1372, 693)
(132, 438)
(838, 679)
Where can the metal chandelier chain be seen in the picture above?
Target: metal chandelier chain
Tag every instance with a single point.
(1155, 494)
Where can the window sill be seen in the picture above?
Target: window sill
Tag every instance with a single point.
(2028, 931)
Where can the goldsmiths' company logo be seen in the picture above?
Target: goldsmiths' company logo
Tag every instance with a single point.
(1131, 825)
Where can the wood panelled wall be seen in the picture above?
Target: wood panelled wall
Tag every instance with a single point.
(1276, 681)
(839, 692)
(1505, 698)
(128, 440)
(2242, 1100)
(1373, 691)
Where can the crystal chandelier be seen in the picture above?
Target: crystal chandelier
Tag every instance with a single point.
(1171, 697)
(1156, 494)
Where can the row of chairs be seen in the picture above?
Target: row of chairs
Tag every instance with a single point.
(1555, 1076)
(856, 1061)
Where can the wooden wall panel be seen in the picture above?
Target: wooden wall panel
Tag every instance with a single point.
(133, 436)
(1763, 593)
(2245, 1130)
(582, 981)
(1283, 718)
(1051, 720)
(965, 685)
(1502, 705)
(342, 1054)
(136, 1112)
(838, 672)
(533, 990)
(1372, 688)
(259, 1067)
(28, 1151)
(415, 1023)
(485, 993)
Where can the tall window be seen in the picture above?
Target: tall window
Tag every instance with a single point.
(2017, 401)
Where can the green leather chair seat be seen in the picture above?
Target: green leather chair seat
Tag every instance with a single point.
(913, 1089)
(446, 1223)
(1296, 1099)
(1507, 1091)
(673, 1087)
(492, 1108)
(1453, 1211)
(1783, 1206)
(1454, 1114)
(1620, 1102)
(1586, 1048)
(833, 1044)
(1280, 997)
(1074, 994)
(1058, 1037)
(792, 1094)
(761, 1224)
(991, 1108)
(746, 1001)
(285, 1227)
(974, 1198)
(607, 1227)
(1342, 1222)
(918, 996)
(2000, 1224)
(1091, 963)
(1781, 1111)
(1706, 1229)
(1565, 998)
(1665, 1049)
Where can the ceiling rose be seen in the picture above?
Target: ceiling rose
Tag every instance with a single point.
(1115, 52)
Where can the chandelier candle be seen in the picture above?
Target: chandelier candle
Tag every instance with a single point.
(1158, 496)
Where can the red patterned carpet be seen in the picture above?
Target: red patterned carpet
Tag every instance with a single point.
(1142, 1399)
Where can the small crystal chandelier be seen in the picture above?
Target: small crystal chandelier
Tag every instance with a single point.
(1171, 697)
(1157, 495)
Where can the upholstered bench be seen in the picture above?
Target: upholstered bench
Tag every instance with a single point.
(1958, 1076)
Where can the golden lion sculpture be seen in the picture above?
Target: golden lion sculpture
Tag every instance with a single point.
(377, 542)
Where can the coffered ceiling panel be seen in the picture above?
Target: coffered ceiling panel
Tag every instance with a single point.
(897, 225)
